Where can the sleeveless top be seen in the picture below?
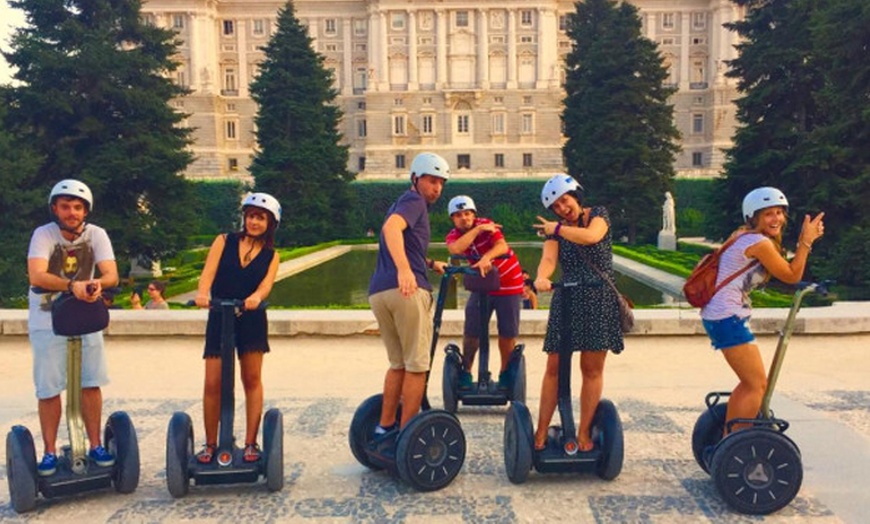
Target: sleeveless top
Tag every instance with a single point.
(234, 281)
(733, 299)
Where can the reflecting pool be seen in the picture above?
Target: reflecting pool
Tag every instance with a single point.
(343, 282)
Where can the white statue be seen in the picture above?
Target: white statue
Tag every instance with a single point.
(668, 214)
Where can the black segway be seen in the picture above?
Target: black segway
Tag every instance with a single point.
(429, 451)
(228, 466)
(76, 472)
(756, 470)
(562, 454)
(485, 391)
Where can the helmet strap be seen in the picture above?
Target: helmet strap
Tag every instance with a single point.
(75, 232)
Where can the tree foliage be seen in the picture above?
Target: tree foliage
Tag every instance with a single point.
(805, 124)
(300, 160)
(92, 102)
(621, 136)
(20, 207)
(779, 79)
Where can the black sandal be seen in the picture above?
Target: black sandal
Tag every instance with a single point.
(252, 452)
(206, 455)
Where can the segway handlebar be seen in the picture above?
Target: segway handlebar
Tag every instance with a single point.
(111, 291)
(217, 303)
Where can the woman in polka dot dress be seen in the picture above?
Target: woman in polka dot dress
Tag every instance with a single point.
(581, 237)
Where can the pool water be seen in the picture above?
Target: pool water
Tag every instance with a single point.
(343, 282)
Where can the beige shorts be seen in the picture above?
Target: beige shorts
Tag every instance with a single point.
(405, 324)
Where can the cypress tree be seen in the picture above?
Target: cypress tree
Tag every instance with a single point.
(300, 160)
(621, 136)
(777, 72)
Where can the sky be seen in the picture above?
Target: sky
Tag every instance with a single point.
(9, 20)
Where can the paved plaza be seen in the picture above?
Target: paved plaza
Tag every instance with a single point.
(658, 385)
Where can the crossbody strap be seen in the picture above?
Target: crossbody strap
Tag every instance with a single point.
(599, 271)
(737, 273)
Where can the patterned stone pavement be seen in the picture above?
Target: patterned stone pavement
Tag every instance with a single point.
(660, 481)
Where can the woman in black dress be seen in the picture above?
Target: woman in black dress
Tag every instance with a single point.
(579, 239)
(240, 266)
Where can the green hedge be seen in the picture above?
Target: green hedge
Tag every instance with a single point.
(512, 203)
(693, 198)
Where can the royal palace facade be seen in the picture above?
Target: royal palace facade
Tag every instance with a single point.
(478, 82)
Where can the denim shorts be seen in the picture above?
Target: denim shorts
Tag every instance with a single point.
(728, 332)
(49, 362)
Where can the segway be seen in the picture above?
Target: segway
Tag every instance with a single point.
(562, 452)
(228, 465)
(485, 391)
(756, 470)
(429, 451)
(76, 472)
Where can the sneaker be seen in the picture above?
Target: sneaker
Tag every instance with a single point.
(48, 465)
(504, 380)
(384, 442)
(465, 380)
(102, 457)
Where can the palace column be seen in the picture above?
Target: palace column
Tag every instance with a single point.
(685, 79)
(413, 82)
(482, 49)
(441, 20)
(512, 50)
(346, 58)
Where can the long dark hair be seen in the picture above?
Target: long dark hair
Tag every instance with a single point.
(268, 237)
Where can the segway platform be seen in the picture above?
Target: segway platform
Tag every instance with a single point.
(757, 470)
(227, 465)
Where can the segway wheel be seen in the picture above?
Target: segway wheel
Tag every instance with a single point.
(609, 426)
(518, 389)
(179, 450)
(362, 428)
(450, 378)
(120, 439)
(708, 432)
(21, 469)
(430, 450)
(273, 442)
(518, 442)
(757, 471)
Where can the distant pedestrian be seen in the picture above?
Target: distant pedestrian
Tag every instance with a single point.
(156, 288)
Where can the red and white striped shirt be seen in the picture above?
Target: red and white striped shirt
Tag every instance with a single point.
(509, 270)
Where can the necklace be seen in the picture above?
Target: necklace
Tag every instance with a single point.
(247, 257)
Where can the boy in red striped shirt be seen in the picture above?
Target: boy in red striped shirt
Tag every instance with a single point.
(481, 240)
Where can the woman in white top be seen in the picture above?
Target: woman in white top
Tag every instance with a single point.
(726, 316)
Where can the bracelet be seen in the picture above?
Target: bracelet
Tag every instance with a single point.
(430, 263)
(69, 285)
(556, 231)
(809, 246)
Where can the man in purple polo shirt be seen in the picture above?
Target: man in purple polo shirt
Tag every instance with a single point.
(399, 293)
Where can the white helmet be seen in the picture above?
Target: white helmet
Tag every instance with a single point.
(460, 203)
(264, 201)
(72, 188)
(429, 164)
(557, 186)
(762, 198)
